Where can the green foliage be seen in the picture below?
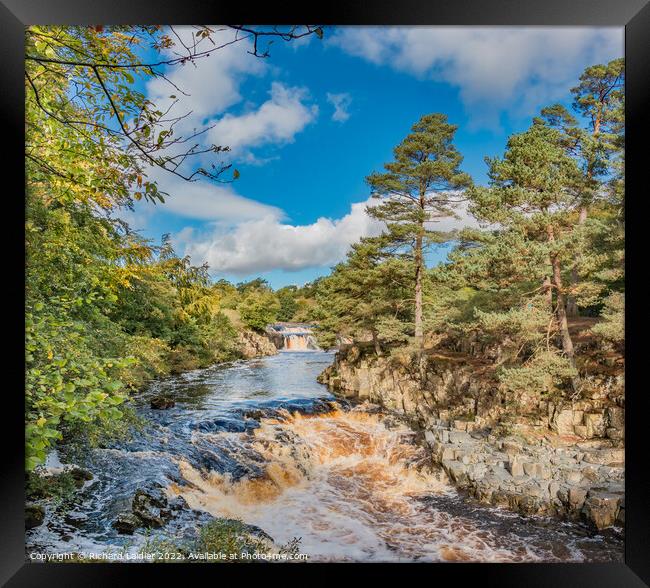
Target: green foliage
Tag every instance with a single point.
(105, 309)
(366, 297)
(66, 382)
(612, 328)
(225, 540)
(228, 536)
(259, 308)
(56, 487)
(546, 373)
(288, 303)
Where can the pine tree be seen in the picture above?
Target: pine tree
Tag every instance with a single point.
(598, 98)
(532, 191)
(366, 297)
(419, 188)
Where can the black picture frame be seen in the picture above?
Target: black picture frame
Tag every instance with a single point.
(633, 14)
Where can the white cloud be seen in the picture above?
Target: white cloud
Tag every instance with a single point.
(204, 201)
(341, 103)
(267, 244)
(277, 120)
(495, 68)
(207, 88)
(201, 200)
(209, 85)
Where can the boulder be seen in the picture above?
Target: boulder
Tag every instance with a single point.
(252, 344)
(162, 403)
(515, 467)
(576, 497)
(616, 417)
(457, 472)
(151, 506)
(606, 457)
(79, 475)
(430, 438)
(76, 519)
(126, 523)
(574, 477)
(614, 434)
(580, 431)
(601, 508)
(34, 515)
(459, 437)
(537, 470)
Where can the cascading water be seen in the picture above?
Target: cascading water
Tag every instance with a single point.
(263, 442)
(293, 337)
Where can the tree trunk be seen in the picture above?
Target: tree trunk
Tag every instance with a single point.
(375, 342)
(560, 308)
(419, 263)
(419, 270)
(548, 292)
(561, 313)
(572, 305)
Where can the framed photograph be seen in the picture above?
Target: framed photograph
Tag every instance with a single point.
(342, 286)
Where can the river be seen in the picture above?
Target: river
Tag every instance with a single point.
(262, 441)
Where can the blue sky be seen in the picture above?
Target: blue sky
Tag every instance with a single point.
(309, 123)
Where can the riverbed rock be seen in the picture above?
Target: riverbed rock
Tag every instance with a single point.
(601, 508)
(162, 403)
(79, 475)
(34, 515)
(151, 506)
(126, 523)
(76, 519)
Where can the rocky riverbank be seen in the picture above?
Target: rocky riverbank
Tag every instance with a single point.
(534, 455)
(533, 475)
(252, 344)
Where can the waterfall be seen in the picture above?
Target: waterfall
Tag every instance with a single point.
(293, 337)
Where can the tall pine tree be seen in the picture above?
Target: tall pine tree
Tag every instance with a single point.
(532, 191)
(418, 188)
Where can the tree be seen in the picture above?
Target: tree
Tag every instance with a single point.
(598, 98)
(288, 303)
(366, 297)
(255, 284)
(532, 192)
(99, 299)
(419, 188)
(259, 308)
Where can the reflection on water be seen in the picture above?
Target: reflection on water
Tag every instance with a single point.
(264, 442)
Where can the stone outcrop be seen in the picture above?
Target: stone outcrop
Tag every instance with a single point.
(530, 454)
(150, 508)
(530, 475)
(252, 344)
